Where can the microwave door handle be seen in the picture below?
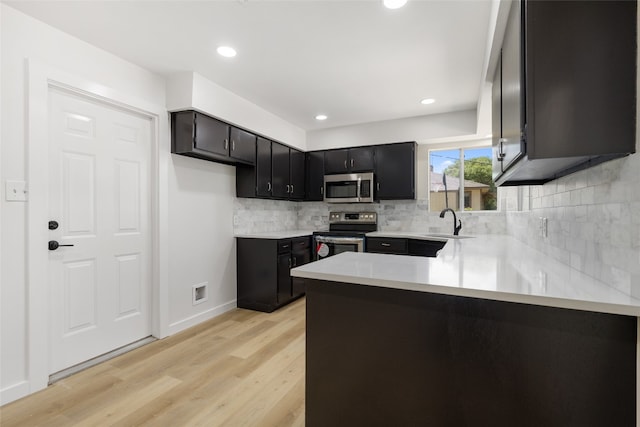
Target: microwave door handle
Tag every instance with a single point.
(359, 188)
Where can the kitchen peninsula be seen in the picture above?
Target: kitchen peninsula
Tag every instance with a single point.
(490, 332)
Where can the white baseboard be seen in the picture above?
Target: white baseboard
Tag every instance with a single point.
(183, 324)
(14, 392)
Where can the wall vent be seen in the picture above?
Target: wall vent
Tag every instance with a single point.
(200, 293)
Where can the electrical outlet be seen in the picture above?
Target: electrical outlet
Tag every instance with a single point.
(15, 191)
(543, 227)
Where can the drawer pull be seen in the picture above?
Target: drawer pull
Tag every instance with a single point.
(385, 244)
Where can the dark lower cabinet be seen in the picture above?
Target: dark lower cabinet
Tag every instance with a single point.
(390, 357)
(263, 266)
(401, 246)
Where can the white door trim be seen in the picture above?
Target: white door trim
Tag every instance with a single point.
(40, 78)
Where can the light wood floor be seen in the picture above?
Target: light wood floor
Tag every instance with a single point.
(243, 368)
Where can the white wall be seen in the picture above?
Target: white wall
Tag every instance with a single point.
(199, 195)
(422, 128)
(210, 98)
(23, 37)
(202, 195)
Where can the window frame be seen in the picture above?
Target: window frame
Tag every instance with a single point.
(461, 146)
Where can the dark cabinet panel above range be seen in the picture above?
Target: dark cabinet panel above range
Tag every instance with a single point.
(347, 160)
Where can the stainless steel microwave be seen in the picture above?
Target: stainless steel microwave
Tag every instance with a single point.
(349, 188)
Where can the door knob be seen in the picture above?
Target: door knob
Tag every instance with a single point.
(53, 245)
(53, 225)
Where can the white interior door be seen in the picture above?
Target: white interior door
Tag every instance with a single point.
(99, 196)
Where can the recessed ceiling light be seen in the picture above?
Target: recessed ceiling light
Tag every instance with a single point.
(394, 4)
(321, 117)
(227, 51)
(427, 101)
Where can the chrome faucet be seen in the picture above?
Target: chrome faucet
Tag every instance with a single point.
(457, 224)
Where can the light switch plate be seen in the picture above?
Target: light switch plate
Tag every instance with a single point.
(15, 191)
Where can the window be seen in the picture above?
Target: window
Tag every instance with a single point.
(457, 184)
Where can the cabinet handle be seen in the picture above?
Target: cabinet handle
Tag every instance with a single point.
(289, 262)
(268, 186)
(345, 164)
(285, 246)
(352, 162)
(377, 186)
(322, 190)
(295, 263)
(291, 188)
(288, 186)
(501, 154)
(385, 244)
(233, 145)
(226, 144)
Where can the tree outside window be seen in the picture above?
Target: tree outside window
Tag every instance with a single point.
(452, 180)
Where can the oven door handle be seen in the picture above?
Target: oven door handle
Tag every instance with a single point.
(331, 239)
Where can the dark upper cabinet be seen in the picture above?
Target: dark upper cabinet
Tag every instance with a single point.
(395, 173)
(280, 170)
(296, 174)
(279, 173)
(195, 134)
(242, 145)
(211, 135)
(263, 167)
(315, 176)
(347, 160)
(565, 88)
(255, 181)
(336, 161)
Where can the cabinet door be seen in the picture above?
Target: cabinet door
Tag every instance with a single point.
(336, 161)
(263, 167)
(300, 255)
(315, 176)
(428, 248)
(211, 135)
(280, 170)
(284, 279)
(243, 145)
(512, 112)
(496, 121)
(386, 245)
(395, 171)
(296, 174)
(360, 159)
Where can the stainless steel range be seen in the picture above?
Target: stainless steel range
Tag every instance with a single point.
(346, 233)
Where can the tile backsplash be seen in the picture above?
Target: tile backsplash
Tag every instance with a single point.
(255, 215)
(593, 220)
(592, 216)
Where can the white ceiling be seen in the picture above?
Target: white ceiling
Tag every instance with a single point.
(355, 61)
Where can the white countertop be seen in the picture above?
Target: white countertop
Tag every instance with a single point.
(286, 234)
(492, 267)
(416, 235)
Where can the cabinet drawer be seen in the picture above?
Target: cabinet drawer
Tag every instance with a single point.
(300, 243)
(284, 246)
(386, 245)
